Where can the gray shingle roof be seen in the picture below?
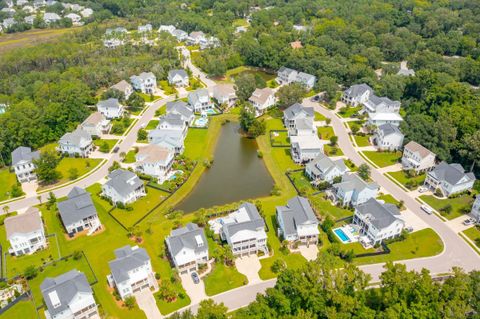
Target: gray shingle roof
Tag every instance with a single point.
(286, 71)
(23, 153)
(305, 77)
(76, 137)
(354, 182)
(166, 137)
(66, 286)
(296, 109)
(380, 215)
(379, 100)
(297, 212)
(179, 72)
(255, 220)
(172, 119)
(77, 207)
(358, 89)
(452, 173)
(389, 129)
(111, 103)
(185, 238)
(123, 182)
(196, 95)
(179, 107)
(128, 258)
(324, 164)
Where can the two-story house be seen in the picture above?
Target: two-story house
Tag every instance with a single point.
(145, 82)
(324, 169)
(449, 179)
(225, 94)
(388, 137)
(305, 148)
(377, 221)
(376, 104)
(188, 247)
(200, 100)
(476, 209)
(298, 120)
(25, 232)
(69, 296)
(155, 161)
(377, 119)
(78, 213)
(76, 143)
(307, 80)
(287, 76)
(124, 87)
(173, 122)
(297, 222)
(417, 157)
(262, 99)
(144, 28)
(180, 35)
(111, 108)
(170, 139)
(178, 78)
(96, 124)
(353, 190)
(22, 163)
(131, 271)
(183, 109)
(357, 94)
(123, 187)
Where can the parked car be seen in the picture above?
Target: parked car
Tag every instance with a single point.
(409, 229)
(115, 150)
(143, 125)
(427, 209)
(422, 189)
(195, 278)
(468, 222)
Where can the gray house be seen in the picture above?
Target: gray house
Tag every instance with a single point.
(357, 94)
(171, 139)
(78, 212)
(353, 190)
(22, 163)
(69, 296)
(188, 247)
(323, 168)
(449, 179)
(388, 137)
(200, 100)
(183, 109)
(76, 143)
(178, 78)
(123, 187)
(298, 119)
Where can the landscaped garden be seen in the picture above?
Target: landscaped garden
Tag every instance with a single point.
(383, 159)
(452, 207)
(410, 181)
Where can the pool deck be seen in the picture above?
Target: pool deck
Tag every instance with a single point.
(352, 236)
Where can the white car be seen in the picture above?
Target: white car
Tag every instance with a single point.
(468, 222)
(422, 189)
(426, 209)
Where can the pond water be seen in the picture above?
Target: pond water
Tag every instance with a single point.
(237, 173)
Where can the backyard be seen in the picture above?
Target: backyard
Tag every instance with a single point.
(279, 138)
(324, 207)
(383, 159)
(458, 205)
(23, 309)
(301, 182)
(195, 143)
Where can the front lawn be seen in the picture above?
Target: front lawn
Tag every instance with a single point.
(302, 183)
(362, 141)
(473, 234)
(152, 125)
(7, 180)
(293, 261)
(167, 89)
(130, 157)
(324, 207)
(325, 132)
(279, 138)
(110, 143)
(148, 97)
(407, 181)
(346, 111)
(319, 117)
(332, 150)
(459, 205)
(387, 198)
(223, 278)
(383, 159)
(81, 165)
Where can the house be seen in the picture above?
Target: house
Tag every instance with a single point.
(9, 11)
(8, 23)
(78, 213)
(30, 19)
(167, 28)
(76, 19)
(324, 169)
(195, 37)
(123, 187)
(39, 3)
(111, 108)
(298, 120)
(76, 143)
(51, 17)
(145, 82)
(173, 122)
(22, 163)
(131, 271)
(180, 35)
(286, 75)
(25, 232)
(145, 28)
(154, 160)
(86, 13)
(377, 221)
(353, 190)
(188, 247)
(305, 148)
(388, 137)
(262, 99)
(240, 29)
(171, 139)
(96, 124)
(113, 43)
(449, 179)
(244, 231)
(28, 9)
(69, 296)
(225, 94)
(211, 42)
(357, 94)
(183, 109)
(200, 100)
(417, 157)
(299, 28)
(116, 31)
(307, 80)
(21, 3)
(178, 78)
(124, 87)
(297, 222)
(476, 209)
(378, 119)
(376, 104)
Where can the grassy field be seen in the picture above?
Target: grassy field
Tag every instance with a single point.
(195, 143)
(110, 143)
(473, 233)
(223, 278)
(383, 159)
(319, 117)
(362, 141)
(230, 74)
(302, 183)
(349, 111)
(30, 38)
(7, 180)
(325, 207)
(280, 138)
(325, 132)
(82, 166)
(147, 97)
(408, 182)
(460, 204)
(23, 309)
(130, 157)
(388, 199)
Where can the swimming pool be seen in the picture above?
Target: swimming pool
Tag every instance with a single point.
(201, 122)
(340, 234)
(210, 111)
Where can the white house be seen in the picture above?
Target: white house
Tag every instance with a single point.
(96, 124)
(377, 221)
(25, 232)
(353, 190)
(123, 187)
(307, 80)
(76, 19)
(144, 28)
(180, 35)
(200, 100)
(297, 222)
(388, 137)
(51, 17)
(145, 82)
(173, 122)
(476, 209)
(305, 148)
(171, 139)
(417, 157)
(324, 169)
(86, 13)
(357, 94)
(244, 231)
(124, 87)
(167, 28)
(76, 143)
(449, 179)
(225, 94)
(378, 119)
(376, 104)
(188, 247)
(183, 109)
(113, 43)
(22, 163)
(154, 160)
(131, 271)
(262, 99)
(288, 76)
(78, 213)
(195, 37)
(178, 78)
(111, 108)
(69, 296)
(298, 120)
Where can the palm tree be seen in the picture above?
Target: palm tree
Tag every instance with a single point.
(6, 209)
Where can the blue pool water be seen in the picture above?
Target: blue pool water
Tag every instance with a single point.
(211, 111)
(343, 237)
(201, 121)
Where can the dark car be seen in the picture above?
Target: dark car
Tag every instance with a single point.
(115, 150)
(195, 278)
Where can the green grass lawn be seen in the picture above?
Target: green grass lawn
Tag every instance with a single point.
(319, 117)
(23, 309)
(383, 159)
(281, 138)
(325, 132)
(148, 97)
(388, 199)
(82, 166)
(357, 248)
(422, 243)
(409, 182)
(152, 125)
(232, 73)
(459, 204)
(195, 143)
(473, 234)
(130, 157)
(110, 143)
(7, 180)
(240, 23)
(161, 111)
(302, 183)
(51, 147)
(325, 207)
(293, 261)
(349, 111)
(362, 140)
(223, 278)
(332, 150)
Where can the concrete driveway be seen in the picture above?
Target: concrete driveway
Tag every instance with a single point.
(196, 292)
(412, 220)
(310, 252)
(146, 302)
(249, 266)
(457, 225)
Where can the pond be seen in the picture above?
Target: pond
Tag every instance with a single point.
(237, 173)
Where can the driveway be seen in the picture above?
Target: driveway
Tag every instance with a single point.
(196, 292)
(146, 302)
(457, 223)
(249, 266)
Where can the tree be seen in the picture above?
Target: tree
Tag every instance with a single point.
(135, 102)
(333, 140)
(257, 128)
(113, 93)
(130, 302)
(329, 86)
(364, 171)
(209, 310)
(115, 165)
(290, 94)
(471, 148)
(142, 135)
(244, 86)
(104, 147)
(51, 200)
(247, 117)
(16, 191)
(46, 167)
(30, 272)
(72, 173)
(278, 266)
(354, 129)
